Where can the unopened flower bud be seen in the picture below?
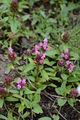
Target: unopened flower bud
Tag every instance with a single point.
(7, 80)
(73, 93)
(14, 5)
(61, 63)
(11, 54)
(2, 92)
(65, 37)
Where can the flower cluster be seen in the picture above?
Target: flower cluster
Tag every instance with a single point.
(39, 50)
(11, 54)
(65, 62)
(21, 84)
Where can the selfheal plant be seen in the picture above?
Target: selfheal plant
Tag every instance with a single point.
(65, 62)
(21, 84)
(40, 51)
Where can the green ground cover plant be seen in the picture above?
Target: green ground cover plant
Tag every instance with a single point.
(39, 40)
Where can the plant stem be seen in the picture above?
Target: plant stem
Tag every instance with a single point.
(37, 73)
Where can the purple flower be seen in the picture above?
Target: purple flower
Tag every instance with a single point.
(61, 63)
(42, 58)
(70, 66)
(66, 55)
(36, 49)
(39, 51)
(21, 84)
(45, 44)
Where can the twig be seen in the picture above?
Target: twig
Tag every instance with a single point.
(5, 107)
(60, 114)
(76, 110)
(54, 107)
(56, 96)
(47, 96)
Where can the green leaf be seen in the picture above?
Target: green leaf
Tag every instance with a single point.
(59, 91)
(44, 75)
(27, 103)
(31, 78)
(27, 91)
(62, 90)
(73, 79)
(27, 68)
(45, 118)
(2, 117)
(26, 114)
(1, 102)
(52, 85)
(18, 96)
(10, 116)
(56, 79)
(14, 24)
(37, 98)
(71, 102)
(25, 17)
(61, 102)
(64, 76)
(37, 109)
(11, 99)
(47, 62)
(7, 2)
(56, 117)
(21, 107)
(42, 87)
(52, 53)
(14, 91)
(74, 56)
